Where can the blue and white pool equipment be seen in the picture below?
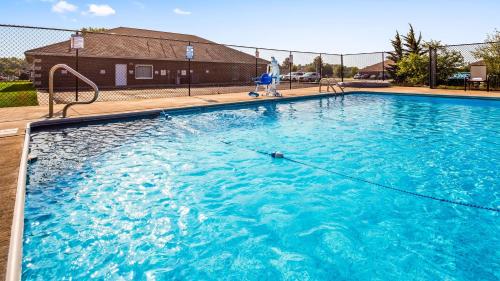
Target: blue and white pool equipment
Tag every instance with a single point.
(269, 80)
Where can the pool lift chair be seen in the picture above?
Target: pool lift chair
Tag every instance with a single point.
(269, 80)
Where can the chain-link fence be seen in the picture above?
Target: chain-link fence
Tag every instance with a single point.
(130, 64)
(468, 66)
(366, 66)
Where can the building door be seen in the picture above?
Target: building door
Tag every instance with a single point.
(120, 75)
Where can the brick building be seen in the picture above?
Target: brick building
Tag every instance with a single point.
(134, 58)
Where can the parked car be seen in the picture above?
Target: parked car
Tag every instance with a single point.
(285, 77)
(3, 78)
(295, 76)
(361, 76)
(310, 77)
(458, 78)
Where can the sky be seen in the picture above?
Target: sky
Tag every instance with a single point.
(319, 26)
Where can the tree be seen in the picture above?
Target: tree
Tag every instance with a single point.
(448, 61)
(414, 68)
(327, 70)
(285, 65)
(350, 71)
(337, 70)
(412, 44)
(311, 68)
(490, 53)
(93, 29)
(12, 66)
(318, 62)
(395, 56)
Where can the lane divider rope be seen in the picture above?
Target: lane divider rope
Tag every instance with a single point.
(353, 178)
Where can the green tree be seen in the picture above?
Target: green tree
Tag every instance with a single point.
(93, 29)
(412, 43)
(350, 71)
(395, 56)
(285, 65)
(448, 61)
(311, 67)
(337, 70)
(327, 70)
(490, 53)
(12, 66)
(318, 62)
(414, 68)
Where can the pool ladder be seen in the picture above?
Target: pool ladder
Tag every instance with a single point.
(79, 76)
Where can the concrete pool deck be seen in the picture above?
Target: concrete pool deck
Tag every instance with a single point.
(11, 143)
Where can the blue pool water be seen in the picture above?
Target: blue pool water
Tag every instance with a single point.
(187, 198)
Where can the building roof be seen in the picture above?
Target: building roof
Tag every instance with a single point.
(478, 63)
(132, 43)
(378, 67)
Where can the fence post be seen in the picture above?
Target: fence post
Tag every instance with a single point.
(432, 67)
(189, 73)
(77, 82)
(342, 67)
(383, 66)
(290, 63)
(320, 66)
(256, 62)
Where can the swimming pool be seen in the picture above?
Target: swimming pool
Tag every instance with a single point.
(196, 196)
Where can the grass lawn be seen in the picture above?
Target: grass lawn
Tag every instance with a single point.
(17, 93)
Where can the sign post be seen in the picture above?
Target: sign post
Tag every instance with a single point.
(290, 65)
(256, 62)
(77, 43)
(189, 57)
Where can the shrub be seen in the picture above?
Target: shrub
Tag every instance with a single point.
(414, 68)
(490, 53)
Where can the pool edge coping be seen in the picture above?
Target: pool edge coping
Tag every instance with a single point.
(14, 261)
(179, 109)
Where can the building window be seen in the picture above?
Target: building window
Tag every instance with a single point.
(143, 71)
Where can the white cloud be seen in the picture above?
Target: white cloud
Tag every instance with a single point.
(100, 10)
(139, 4)
(181, 12)
(63, 7)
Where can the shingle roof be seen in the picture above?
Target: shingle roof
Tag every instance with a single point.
(478, 63)
(131, 43)
(378, 67)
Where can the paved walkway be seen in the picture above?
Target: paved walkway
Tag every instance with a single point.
(11, 146)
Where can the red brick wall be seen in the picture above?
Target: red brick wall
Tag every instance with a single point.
(202, 72)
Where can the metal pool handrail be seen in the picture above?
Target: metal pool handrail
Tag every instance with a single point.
(79, 76)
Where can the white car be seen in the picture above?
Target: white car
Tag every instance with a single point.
(310, 77)
(295, 76)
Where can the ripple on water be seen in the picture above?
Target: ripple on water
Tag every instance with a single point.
(164, 199)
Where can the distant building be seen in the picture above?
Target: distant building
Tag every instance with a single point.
(375, 71)
(143, 58)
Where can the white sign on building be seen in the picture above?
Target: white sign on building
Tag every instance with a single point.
(189, 52)
(77, 41)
